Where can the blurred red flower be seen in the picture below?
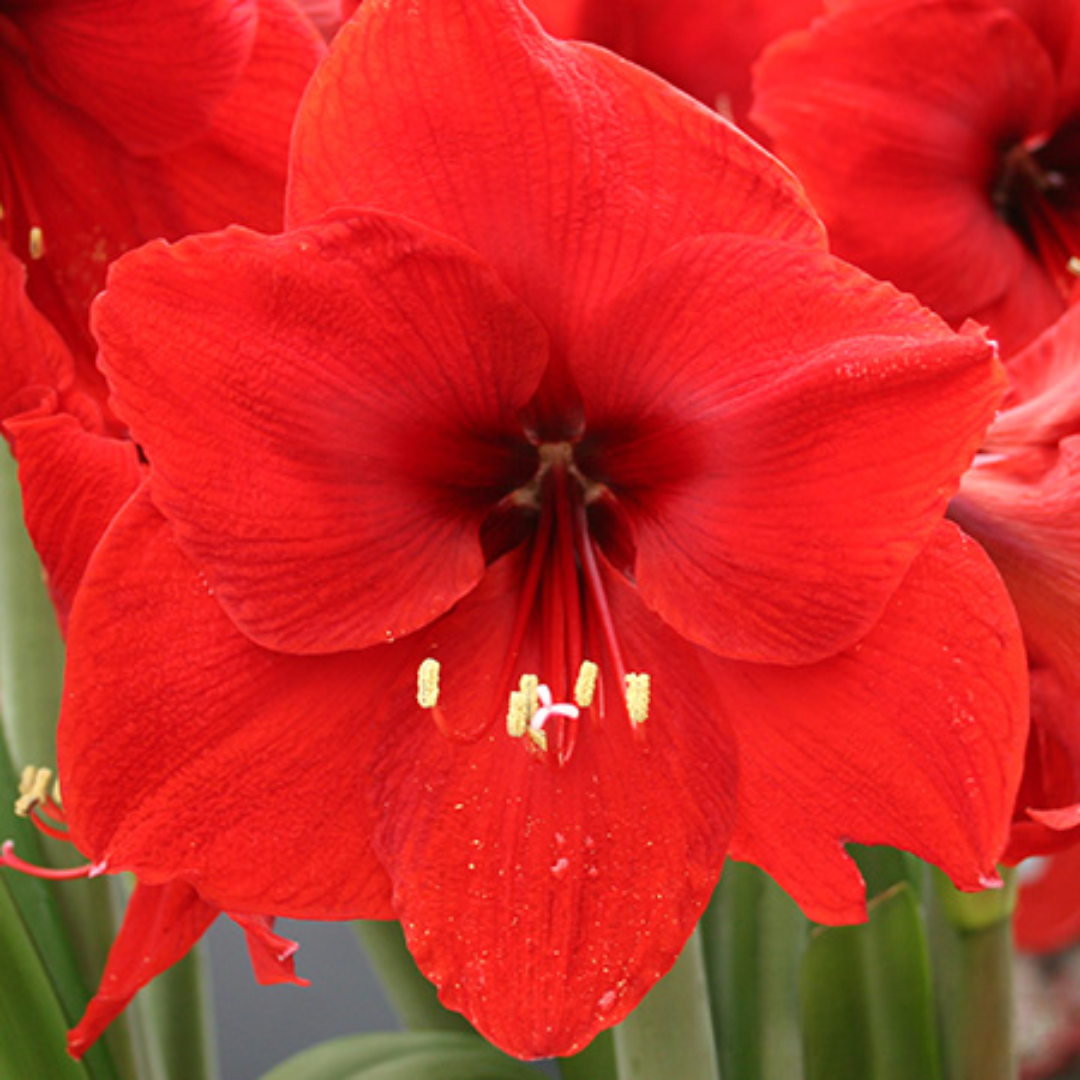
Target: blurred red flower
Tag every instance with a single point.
(126, 120)
(940, 141)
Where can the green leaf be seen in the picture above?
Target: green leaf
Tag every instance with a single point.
(868, 1010)
(754, 935)
(33, 1026)
(670, 1033)
(972, 950)
(405, 1055)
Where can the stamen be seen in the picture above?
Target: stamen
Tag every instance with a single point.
(530, 693)
(9, 858)
(1073, 266)
(33, 789)
(36, 243)
(585, 687)
(427, 683)
(539, 738)
(638, 689)
(517, 716)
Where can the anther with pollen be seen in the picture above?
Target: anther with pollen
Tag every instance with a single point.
(638, 693)
(36, 243)
(427, 683)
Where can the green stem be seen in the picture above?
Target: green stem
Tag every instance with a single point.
(414, 999)
(670, 1033)
(972, 950)
(754, 936)
(176, 1008)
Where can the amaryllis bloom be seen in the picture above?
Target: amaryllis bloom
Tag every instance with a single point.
(940, 141)
(125, 120)
(1021, 501)
(705, 47)
(541, 516)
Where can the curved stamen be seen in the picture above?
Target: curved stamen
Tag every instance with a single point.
(9, 858)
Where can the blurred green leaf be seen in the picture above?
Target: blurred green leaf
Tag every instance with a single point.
(404, 1055)
(33, 1026)
(868, 1008)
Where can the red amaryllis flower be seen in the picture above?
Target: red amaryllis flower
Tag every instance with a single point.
(125, 120)
(1021, 501)
(940, 141)
(705, 47)
(542, 514)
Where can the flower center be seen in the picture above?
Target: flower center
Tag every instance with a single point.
(1037, 193)
(563, 617)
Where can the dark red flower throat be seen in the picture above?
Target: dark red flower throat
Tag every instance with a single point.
(1037, 193)
(562, 617)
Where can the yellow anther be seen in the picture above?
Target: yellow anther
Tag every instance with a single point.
(530, 685)
(427, 683)
(33, 789)
(36, 243)
(638, 689)
(517, 716)
(1073, 265)
(585, 687)
(539, 738)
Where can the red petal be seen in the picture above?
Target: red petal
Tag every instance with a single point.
(914, 738)
(564, 166)
(150, 71)
(235, 173)
(240, 770)
(705, 47)
(160, 926)
(73, 484)
(1028, 520)
(545, 901)
(785, 433)
(894, 115)
(34, 355)
(1047, 914)
(271, 954)
(1042, 405)
(329, 415)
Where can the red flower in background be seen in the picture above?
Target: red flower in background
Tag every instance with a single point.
(1021, 501)
(705, 47)
(551, 396)
(940, 141)
(125, 120)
